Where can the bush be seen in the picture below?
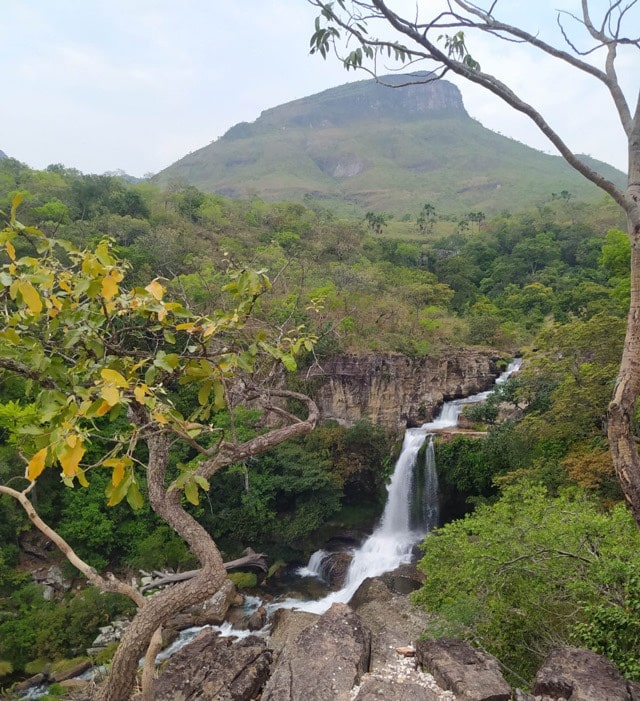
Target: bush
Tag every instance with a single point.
(531, 572)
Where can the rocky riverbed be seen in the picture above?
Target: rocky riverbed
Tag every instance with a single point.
(367, 650)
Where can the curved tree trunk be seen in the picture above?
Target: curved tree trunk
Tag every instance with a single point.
(160, 607)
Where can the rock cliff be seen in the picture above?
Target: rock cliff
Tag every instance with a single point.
(395, 390)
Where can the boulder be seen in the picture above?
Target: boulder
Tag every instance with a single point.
(471, 674)
(576, 674)
(404, 579)
(392, 619)
(286, 625)
(210, 612)
(335, 568)
(211, 668)
(324, 661)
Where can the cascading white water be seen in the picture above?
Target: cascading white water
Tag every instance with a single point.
(392, 542)
(430, 511)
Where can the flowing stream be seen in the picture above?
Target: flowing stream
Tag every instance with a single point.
(405, 520)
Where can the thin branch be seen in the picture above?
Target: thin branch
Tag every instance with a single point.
(25, 371)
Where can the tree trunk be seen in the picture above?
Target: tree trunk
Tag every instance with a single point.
(624, 450)
(155, 612)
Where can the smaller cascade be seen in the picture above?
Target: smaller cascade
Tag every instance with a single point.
(429, 510)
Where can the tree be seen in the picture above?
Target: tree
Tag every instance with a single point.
(88, 350)
(442, 39)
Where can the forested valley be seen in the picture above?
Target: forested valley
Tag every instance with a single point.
(540, 548)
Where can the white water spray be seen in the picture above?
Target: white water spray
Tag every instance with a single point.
(392, 542)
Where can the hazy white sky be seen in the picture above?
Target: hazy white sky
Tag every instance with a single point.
(136, 84)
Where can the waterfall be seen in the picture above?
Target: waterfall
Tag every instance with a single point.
(392, 542)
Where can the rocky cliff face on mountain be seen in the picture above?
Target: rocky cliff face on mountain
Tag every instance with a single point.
(395, 390)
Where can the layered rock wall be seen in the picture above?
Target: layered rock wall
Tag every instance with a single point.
(395, 390)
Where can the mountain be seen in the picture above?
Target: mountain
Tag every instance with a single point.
(3, 155)
(366, 146)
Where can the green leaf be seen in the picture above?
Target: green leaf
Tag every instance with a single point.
(191, 493)
(202, 482)
(203, 393)
(289, 362)
(134, 498)
(218, 395)
(117, 494)
(166, 361)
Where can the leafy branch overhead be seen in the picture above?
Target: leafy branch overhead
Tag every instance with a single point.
(90, 348)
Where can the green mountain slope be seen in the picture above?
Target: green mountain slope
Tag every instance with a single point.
(365, 146)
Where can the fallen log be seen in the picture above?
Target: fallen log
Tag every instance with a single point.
(252, 561)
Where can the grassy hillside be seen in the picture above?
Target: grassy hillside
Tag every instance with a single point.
(366, 147)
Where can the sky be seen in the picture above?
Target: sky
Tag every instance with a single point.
(102, 85)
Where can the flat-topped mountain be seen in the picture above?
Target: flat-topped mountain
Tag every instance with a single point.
(367, 146)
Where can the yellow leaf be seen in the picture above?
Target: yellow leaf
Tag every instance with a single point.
(30, 296)
(160, 418)
(114, 377)
(36, 464)
(118, 473)
(64, 285)
(155, 289)
(81, 478)
(103, 409)
(70, 458)
(140, 392)
(187, 326)
(109, 287)
(110, 394)
(208, 329)
(11, 250)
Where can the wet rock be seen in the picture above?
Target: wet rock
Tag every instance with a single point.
(214, 609)
(392, 619)
(335, 568)
(211, 612)
(74, 671)
(212, 668)
(35, 680)
(241, 621)
(471, 674)
(324, 661)
(576, 674)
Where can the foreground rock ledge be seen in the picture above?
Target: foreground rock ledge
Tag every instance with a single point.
(211, 667)
(324, 661)
(471, 674)
(581, 675)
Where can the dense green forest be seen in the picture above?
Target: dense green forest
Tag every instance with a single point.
(543, 506)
